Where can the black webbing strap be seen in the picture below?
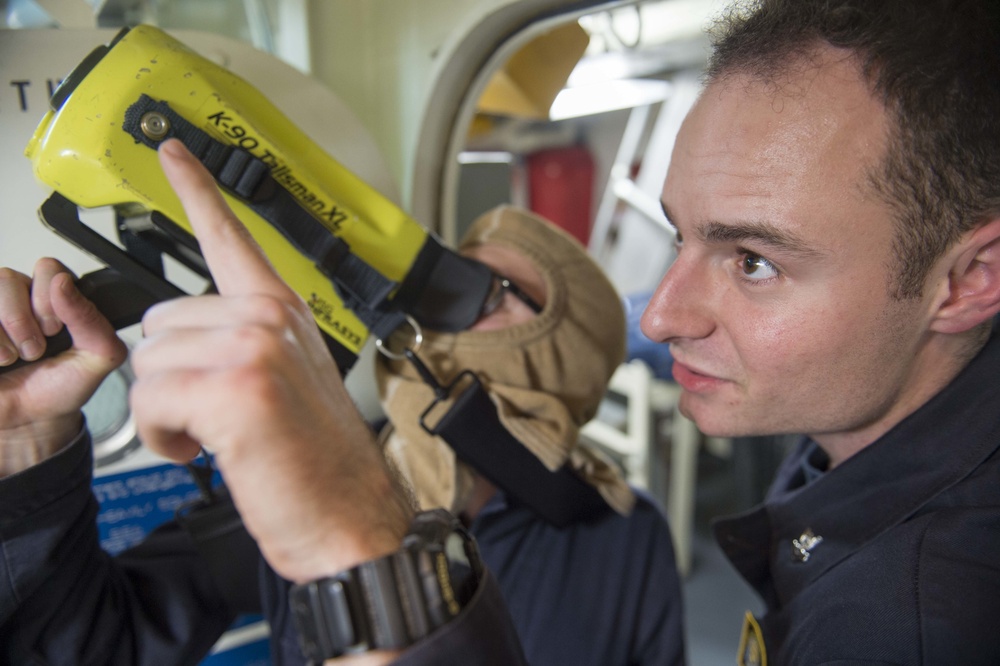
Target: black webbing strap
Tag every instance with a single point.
(472, 427)
(362, 288)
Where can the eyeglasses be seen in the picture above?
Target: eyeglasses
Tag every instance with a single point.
(499, 288)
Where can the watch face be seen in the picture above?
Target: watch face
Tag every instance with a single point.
(454, 548)
(464, 572)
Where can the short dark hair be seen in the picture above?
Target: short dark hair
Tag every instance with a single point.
(934, 65)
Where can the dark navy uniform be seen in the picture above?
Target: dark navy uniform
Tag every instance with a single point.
(64, 601)
(892, 557)
(601, 593)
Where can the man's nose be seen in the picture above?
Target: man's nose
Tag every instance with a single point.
(681, 307)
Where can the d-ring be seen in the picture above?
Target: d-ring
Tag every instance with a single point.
(417, 340)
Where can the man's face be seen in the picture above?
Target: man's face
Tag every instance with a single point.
(777, 309)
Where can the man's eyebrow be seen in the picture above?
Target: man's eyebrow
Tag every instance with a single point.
(758, 232)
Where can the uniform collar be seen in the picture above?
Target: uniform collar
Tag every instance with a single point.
(882, 485)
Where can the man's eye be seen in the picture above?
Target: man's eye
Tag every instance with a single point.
(756, 268)
(678, 241)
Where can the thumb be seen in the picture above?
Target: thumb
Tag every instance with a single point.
(92, 333)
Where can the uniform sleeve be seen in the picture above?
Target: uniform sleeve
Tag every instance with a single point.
(483, 635)
(959, 587)
(63, 600)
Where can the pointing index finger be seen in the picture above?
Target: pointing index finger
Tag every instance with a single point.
(237, 263)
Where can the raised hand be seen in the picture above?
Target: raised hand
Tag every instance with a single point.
(247, 375)
(40, 402)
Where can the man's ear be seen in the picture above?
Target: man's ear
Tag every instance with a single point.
(973, 281)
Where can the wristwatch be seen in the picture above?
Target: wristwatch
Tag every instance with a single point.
(393, 601)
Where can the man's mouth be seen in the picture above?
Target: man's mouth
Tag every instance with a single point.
(691, 379)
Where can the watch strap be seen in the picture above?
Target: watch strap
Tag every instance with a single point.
(392, 601)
